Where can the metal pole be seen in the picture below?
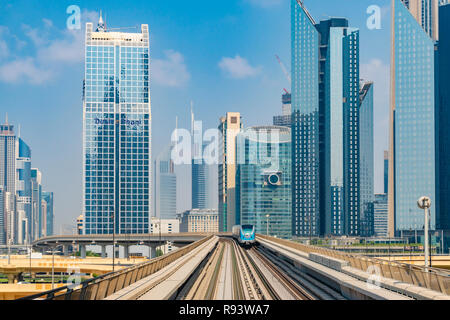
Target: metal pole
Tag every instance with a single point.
(9, 251)
(53, 268)
(114, 242)
(426, 248)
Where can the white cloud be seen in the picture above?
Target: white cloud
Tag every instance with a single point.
(265, 3)
(170, 71)
(238, 67)
(51, 54)
(16, 70)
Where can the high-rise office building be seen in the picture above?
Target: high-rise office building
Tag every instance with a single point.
(229, 127)
(23, 189)
(443, 100)
(165, 185)
(329, 110)
(386, 171)
(339, 95)
(366, 166)
(426, 14)
(7, 180)
(117, 179)
(200, 190)
(263, 180)
(305, 122)
(380, 215)
(36, 204)
(285, 120)
(412, 153)
(2, 216)
(47, 197)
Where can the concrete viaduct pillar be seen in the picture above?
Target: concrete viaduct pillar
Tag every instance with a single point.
(103, 251)
(83, 251)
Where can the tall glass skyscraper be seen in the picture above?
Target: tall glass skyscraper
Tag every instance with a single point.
(116, 132)
(263, 180)
(326, 156)
(24, 192)
(443, 99)
(366, 165)
(165, 185)
(7, 181)
(36, 204)
(412, 165)
(306, 215)
(47, 197)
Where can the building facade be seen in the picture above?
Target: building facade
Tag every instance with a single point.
(117, 179)
(200, 221)
(47, 197)
(443, 100)
(165, 185)
(24, 191)
(7, 181)
(366, 156)
(381, 215)
(36, 204)
(305, 38)
(263, 180)
(412, 154)
(229, 127)
(332, 130)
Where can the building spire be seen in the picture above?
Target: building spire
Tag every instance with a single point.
(101, 25)
(6, 118)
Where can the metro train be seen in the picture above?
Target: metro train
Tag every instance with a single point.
(244, 234)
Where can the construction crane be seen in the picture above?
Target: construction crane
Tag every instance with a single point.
(286, 73)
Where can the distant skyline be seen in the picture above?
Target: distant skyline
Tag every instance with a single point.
(221, 55)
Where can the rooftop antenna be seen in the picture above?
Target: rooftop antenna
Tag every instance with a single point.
(6, 118)
(18, 135)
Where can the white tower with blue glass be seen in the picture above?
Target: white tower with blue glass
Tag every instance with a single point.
(116, 132)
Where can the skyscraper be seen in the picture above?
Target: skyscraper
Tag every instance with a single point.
(380, 215)
(330, 117)
(443, 100)
(386, 171)
(412, 154)
(229, 127)
(47, 197)
(366, 166)
(263, 180)
(23, 189)
(2, 216)
(7, 180)
(165, 185)
(305, 123)
(116, 132)
(340, 99)
(36, 204)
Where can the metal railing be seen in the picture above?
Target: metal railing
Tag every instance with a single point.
(101, 287)
(430, 278)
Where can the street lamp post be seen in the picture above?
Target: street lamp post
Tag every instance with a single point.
(267, 224)
(425, 204)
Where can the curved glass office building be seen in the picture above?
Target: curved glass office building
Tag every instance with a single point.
(263, 180)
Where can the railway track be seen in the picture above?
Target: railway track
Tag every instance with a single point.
(224, 270)
(236, 273)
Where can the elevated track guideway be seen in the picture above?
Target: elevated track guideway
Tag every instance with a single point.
(218, 268)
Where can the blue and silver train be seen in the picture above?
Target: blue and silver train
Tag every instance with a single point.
(244, 234)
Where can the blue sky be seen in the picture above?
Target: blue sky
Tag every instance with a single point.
(219, 54)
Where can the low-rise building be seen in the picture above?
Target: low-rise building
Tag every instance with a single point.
(200, 220)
